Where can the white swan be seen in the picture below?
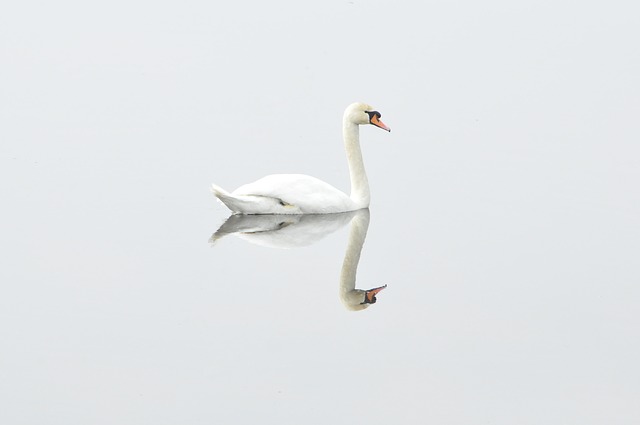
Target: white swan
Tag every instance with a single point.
(301, 194)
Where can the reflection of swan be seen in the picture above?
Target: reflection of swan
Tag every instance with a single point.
(282, 231)
(300, 194)
(352, 298)
(290, 231)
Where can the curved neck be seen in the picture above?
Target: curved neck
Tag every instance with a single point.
(359, 183)
(349, 295)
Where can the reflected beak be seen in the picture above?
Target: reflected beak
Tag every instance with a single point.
(376, 121)
(370, 295)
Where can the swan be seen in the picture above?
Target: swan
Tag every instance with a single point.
(302, 194)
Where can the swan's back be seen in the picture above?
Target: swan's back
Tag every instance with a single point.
(300, 192)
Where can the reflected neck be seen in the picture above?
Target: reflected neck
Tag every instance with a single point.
(359, 184)
(351, 297)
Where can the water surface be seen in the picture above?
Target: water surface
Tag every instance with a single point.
(504, 215)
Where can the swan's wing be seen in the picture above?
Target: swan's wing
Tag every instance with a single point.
(309, 194)
(253, 204)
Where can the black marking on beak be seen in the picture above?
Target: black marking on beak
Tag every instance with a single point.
(373, 114)
(370, 295)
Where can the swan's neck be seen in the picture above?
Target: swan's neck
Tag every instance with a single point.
(351, 297)
(359, 183)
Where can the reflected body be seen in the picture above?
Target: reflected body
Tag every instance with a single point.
(282, 231)
(302, 194)
(287, 231)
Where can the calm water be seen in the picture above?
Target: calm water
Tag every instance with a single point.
(504, 217)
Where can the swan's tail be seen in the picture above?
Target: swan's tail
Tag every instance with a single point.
(219, 192)
(239, 204)
(225, 197)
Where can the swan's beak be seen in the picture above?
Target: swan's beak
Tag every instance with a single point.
(376, 121)
(370, 295)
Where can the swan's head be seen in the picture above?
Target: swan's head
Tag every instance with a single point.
(359, 299)
(361, 114)
(370, 295)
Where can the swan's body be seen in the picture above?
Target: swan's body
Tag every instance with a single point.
(286, 194)
(301, 194)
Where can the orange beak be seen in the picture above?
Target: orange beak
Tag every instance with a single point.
(370, 295)
(376, 121)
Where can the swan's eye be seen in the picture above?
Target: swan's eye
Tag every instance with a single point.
(373, 114)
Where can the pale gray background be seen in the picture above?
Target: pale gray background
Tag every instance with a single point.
(505, 212)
